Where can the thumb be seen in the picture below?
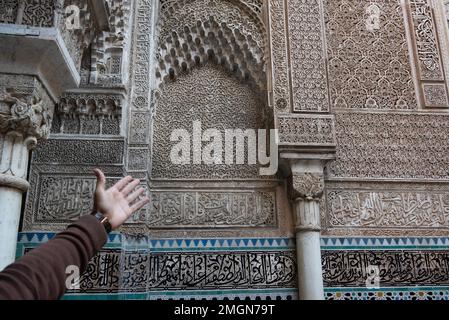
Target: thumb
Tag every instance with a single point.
(101, 180)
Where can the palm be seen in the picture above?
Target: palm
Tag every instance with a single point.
(120, 201)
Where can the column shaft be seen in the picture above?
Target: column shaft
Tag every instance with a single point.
(310, 274)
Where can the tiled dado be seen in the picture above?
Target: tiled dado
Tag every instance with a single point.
(409, 268)
(142, 268)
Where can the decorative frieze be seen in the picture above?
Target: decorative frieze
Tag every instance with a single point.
(63, 199)
(212, 209)
(134, 271)
(62, 193)
(306, 130)
(387, 209)
(88, 114)
(60, 198)
(395, 268)
(143, 43)
(69, 151)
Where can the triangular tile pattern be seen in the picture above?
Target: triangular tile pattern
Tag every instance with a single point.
(248, 243)
(412, 242)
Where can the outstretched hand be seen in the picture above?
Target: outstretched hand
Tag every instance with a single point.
(120, 201)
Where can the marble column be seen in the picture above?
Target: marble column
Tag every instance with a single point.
(308, 186)
(14, 151)
(25, 117)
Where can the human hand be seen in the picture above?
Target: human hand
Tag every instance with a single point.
(116, 203)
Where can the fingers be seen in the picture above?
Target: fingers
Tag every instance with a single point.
(130, 187)
(136, 194)
(122, 183)
(101, 179)
(140, 204)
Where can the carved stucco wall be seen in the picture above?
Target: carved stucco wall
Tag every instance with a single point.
(378, 66)
(124, 131)
(388, 88)
(390, 174)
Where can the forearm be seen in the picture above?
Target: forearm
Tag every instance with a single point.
(40, 274)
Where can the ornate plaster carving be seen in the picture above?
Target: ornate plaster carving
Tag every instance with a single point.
(106, 65)
(279, 56)
(432, 65)
(397, 268)
(214, 41)
(308, 186)
(369, 65)
(88, 114)
(306, 130)
(25, 106)
(391, 146)
(307, 56)
(219, 101)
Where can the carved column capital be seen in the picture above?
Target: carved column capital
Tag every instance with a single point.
(308, 186)
(28, 118)
(26, 112)
(25, 106)
(307, 190)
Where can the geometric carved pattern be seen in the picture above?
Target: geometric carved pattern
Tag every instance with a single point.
(28, 12)
(307, 51)
(369, 66)
(387, 145)
(94, 152)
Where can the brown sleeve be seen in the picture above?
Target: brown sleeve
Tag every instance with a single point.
(40, 274)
